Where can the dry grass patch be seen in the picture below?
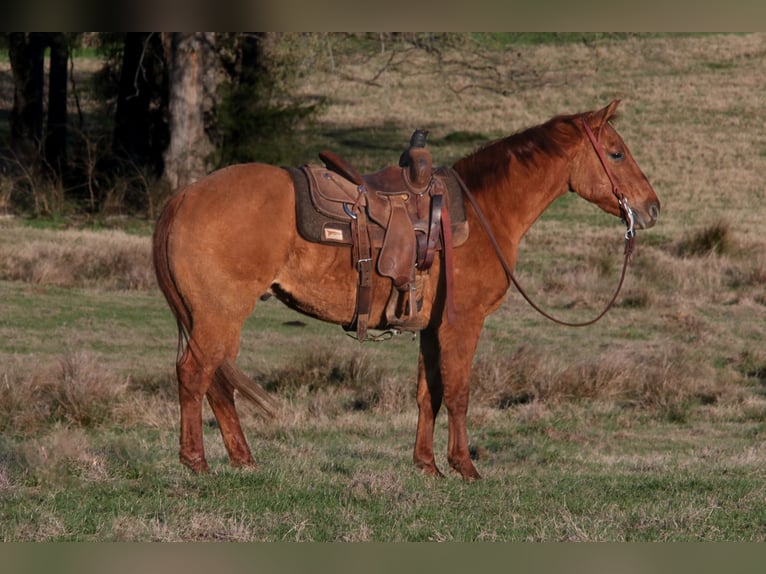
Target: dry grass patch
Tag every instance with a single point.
(61, 455)
(713, 239)
(332, 381)
(665, 384)
(48, 526)
(72, 258)
(75, 390)
(194, 526)
(704, 266)
(56, 458)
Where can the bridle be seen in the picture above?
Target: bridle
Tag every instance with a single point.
(626, 214)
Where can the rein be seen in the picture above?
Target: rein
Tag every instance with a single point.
(626, 214)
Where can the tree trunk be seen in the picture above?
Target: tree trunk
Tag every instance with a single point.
(192, 77)
(140, 132)
(56, 130)
(131, 137)
(26, 52)
(254, 63)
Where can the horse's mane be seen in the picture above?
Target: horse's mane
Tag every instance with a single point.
(489, 165)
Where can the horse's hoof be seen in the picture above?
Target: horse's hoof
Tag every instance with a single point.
(248, 465)
(198, 464)
(466, 469)
(429, 468)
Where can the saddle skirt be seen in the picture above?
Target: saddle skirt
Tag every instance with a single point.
(393, 223)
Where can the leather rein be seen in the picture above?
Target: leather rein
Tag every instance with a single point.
(626, 214)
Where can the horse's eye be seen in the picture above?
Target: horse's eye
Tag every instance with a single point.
(617, 156)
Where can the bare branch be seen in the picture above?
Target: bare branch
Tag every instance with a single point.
(140, 68)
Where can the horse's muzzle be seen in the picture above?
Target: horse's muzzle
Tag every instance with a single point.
(647, 217)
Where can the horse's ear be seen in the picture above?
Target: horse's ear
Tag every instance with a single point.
(598, 119)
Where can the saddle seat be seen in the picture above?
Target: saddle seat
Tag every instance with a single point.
(398, 217)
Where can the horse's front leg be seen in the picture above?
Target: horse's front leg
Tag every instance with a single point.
(430, 393)
(458, 345)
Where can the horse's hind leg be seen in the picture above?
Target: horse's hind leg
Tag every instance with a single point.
(220, 395)
(199, 376)
(194, 378)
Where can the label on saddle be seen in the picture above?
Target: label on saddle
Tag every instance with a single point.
(335, 234)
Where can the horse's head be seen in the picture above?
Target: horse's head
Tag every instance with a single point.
(606, 174)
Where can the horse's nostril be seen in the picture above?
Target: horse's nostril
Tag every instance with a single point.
(654, 211)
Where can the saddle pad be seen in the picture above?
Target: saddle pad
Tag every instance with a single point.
(312, 225)
(323, 228)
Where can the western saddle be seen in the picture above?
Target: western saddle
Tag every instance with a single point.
(397, 218)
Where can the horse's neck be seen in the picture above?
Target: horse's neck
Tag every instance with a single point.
(526, 193)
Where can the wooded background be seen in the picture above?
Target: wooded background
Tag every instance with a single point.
(159, 110)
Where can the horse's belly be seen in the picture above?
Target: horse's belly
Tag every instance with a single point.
(320, 281)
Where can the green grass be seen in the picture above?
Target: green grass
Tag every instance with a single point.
(132, 325)
(45, 320)
(326, 484)
(560, 470)
(130, 225)
(564, 470)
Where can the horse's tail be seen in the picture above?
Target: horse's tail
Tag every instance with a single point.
(228, 371)
(162, 270)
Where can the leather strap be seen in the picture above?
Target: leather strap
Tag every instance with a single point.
(625, 212)
(339, 165)
(449, 282)
(426, 258)
(363, 263)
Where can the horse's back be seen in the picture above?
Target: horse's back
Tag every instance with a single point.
(235, 199)
(238, 189)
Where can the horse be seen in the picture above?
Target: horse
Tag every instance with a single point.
(225, 240)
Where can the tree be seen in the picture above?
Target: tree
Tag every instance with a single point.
(258, 115)
(192, 71)
(140, 128)
(56, 129)
(27, 56)
(26, 52)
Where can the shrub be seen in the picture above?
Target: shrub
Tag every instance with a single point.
(714, 239)
(75, 391)
(667, 384)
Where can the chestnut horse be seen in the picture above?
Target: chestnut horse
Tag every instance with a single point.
(225, 240)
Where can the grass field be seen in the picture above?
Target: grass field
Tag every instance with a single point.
(648, 426)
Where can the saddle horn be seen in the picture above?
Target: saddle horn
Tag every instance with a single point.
(417, 141)
(418, 159)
